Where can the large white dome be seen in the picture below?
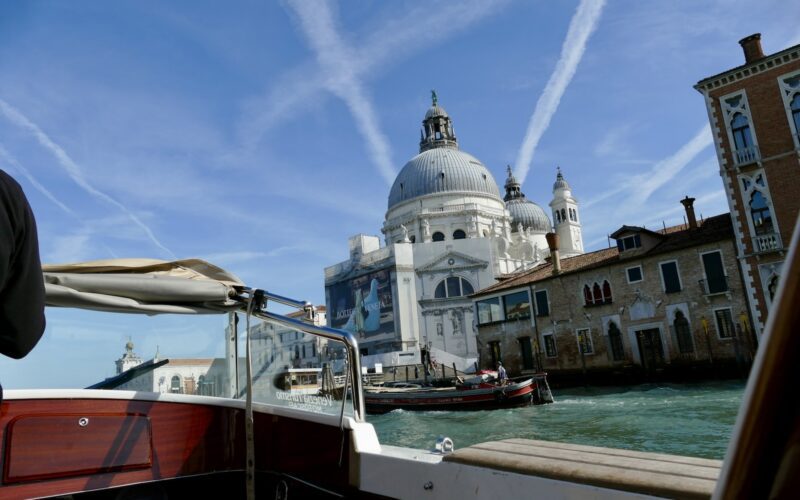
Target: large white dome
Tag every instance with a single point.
(442, 170)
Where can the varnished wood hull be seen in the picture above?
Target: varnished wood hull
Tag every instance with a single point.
(64, 446)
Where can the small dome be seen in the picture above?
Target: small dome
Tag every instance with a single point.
(560, 182)
(129, 346)
(529, 214)
(442, 170)
(436, 110)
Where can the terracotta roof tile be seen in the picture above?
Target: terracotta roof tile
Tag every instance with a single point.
(712, 229)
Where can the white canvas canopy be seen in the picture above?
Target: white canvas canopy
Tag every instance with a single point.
(144, 286)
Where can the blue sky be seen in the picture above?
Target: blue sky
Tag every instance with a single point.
(261, 135)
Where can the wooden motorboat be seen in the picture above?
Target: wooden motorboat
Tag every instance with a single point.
(464, 396)
(98, 444)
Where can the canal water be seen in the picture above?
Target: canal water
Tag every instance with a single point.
(686, 419)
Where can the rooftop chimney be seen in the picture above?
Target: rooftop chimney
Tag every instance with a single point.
(688, 204)
(552, 242)
(752, 48)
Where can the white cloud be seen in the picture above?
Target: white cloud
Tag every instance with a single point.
(73, 170)
(581, 27)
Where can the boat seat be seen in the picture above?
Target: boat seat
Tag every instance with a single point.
(638, 472)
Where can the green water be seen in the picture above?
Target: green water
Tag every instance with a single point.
(687, 419)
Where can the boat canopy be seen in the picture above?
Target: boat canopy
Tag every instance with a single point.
(143, 286)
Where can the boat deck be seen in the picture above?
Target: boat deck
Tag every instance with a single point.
(636, 472)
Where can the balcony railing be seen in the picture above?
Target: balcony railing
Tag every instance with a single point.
(718, 285)
(769, 242)
(743, 156)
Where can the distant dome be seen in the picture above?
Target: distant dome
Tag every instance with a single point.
(529, 214)
(442, 170)
(522, 210)
(560, 182)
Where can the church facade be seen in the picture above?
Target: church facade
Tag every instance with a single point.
(447, 233)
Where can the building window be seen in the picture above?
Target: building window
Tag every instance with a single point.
(517, 305)
(550, 345)
(607, 298)
(670, 277)
(458, 234)
(438, 236)
(175, 384)
(615, 340)
(634, 274)
(795, 109)
(584, 337)
(790, 91)
(759, 211)
(542, 304)
(488, 310)
(557, 216)
(597, 294)
(772, 287)
(716, 281)
(629, 242)
(453, 286)
(682, 333)
(725, 328)
(739, 127)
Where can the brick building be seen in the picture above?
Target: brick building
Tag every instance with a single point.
(664, 300)
(754, 110)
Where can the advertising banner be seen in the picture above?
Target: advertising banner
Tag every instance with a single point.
(363, 305)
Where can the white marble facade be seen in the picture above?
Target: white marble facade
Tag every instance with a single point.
(447, 233)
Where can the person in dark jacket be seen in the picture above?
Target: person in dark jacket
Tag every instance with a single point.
(21, 283)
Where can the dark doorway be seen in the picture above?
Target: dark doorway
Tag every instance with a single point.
(650, 349)
(527, 353)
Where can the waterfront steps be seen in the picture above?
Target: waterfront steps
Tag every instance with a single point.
(631, 471)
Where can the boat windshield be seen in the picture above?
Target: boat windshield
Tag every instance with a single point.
(297, 369)
(201, 355)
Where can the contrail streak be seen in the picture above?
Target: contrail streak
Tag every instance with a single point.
(73, 170)
(336, 60)
(581, 27)
(5, 155)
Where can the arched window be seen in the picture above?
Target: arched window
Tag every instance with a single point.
(759, 211)
(682, 332)
(598, 294)
(587, 295)
(412, 238)
(615, 339)
(772, 287)
(557, 216)
(740, 128)
(438, 236)
(453, 286)
(175, 384)
(607, 292)
(458, 234)
(563, 214)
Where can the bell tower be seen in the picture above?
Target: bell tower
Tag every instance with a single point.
(566, 220)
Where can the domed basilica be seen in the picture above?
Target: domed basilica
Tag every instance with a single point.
(447, 233)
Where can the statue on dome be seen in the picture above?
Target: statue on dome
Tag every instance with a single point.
(434, 99)
(405, 233)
